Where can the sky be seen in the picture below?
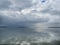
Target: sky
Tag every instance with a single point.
(23, 12)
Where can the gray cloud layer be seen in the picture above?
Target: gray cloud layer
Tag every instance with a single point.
(17, 11)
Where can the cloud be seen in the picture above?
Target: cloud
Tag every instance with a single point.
(4, 4)
(53, 8)
(20, 4)
(39, 11)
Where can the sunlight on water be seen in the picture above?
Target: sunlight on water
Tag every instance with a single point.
(30, 36)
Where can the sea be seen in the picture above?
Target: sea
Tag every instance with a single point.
(37, 34)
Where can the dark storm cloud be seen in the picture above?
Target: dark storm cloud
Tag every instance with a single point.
(0, 20)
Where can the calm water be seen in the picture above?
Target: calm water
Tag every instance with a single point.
(30, 36)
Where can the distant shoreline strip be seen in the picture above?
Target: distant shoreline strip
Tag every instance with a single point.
(53, 27)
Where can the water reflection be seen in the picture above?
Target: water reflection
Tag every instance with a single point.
(38, 34)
